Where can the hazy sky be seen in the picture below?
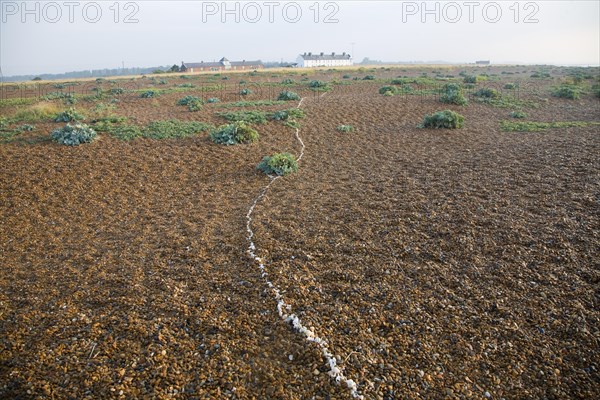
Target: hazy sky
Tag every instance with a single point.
(52, 37)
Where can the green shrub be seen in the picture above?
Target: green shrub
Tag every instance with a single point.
(279, 164)
(69, 115)
(184, 101)
(443, 119)
(596, 90)
(518, 114)
(452, 94)
(245, 92)
(287, 96)
(388, 90)
(117, 91)
(510, 86)
(566, 91)
(470, 79)
(346, 77)
(345, 128)
(186, 85)
(369, 78)
(487, 93)
(287, 82)
(236, 133)
(73, 135)
(213, 100)
(284, 115)
(148, 94)
(251, 117)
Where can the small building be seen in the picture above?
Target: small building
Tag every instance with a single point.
(308, 60)
(222, 65)
(482, 62)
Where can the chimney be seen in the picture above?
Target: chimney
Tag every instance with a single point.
(344, 53)
(309, 53)
(322, 53)
(333, 53)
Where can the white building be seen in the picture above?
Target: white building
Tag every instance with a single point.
(308, 60)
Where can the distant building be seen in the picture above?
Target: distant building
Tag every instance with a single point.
(482, 62)
(222, 65)
(308, 60)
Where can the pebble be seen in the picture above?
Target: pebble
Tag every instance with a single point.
(316, 372)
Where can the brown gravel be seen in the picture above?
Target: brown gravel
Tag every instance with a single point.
(436, 264)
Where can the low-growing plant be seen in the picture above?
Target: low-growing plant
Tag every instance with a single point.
(251, 117)
(446, 119)
(36, 113)
(388, 90)
(470, 79)
(287, 82)
(126, 132)
(318, 85)
(117, 91)
(346, 77)
(25, 128)
(369, 78)
(148, 94)
(452, 94)
(171, 129)
(195, 105)
(236, 133)
(73, 135)
(69, 115)
(284, 115)
(510, 86)
(278, 164)
(487, 93)
(566, 91)
(184, 101)
(535, 126)
(596, 90)
(212, 100)
(288, 95)
(345, 128)
(245, 92)
(186, 85)
(518, 114)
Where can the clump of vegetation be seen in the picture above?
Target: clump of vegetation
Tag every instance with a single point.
(470, 79)
(117, 91)
(388, 90)
(346, 77)
(25, 128)
(510, 86)
(567, 91)
(345, 128)
(452, 94)
(319, 85)
(534, 126)
(251, 117)
(518, 114)
(369, 78)
(212, 100)
(540, 74)
(108, 123)
(148, 94)
(36, 113)
(287, 82)
(186, 85)
(184, 101)
(487, 93)
(284, 115)
(73, 135)
(69, 115)
(279, 164)
(288, 95)
(195, 105)
(236, 133)
(171, 129)
(446, 119)
(245, 92)
(126, 132)
(596, 90)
